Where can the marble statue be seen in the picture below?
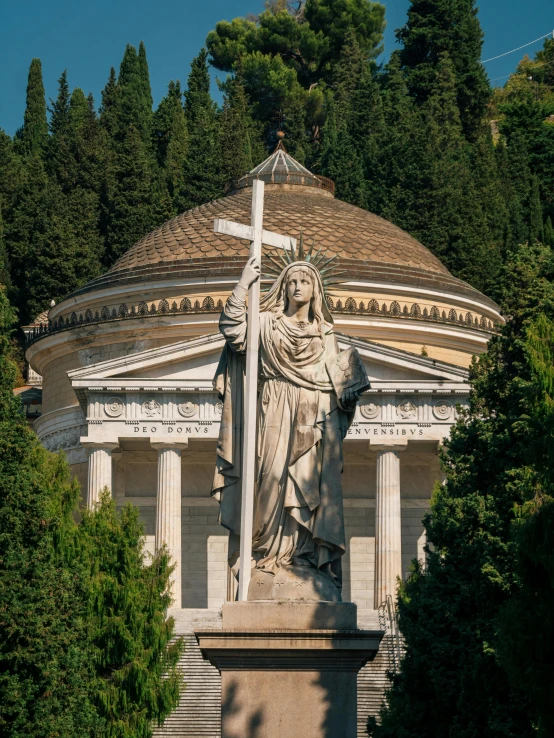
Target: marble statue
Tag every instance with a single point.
(298, 529)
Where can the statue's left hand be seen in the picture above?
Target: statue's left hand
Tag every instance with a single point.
(349, 398)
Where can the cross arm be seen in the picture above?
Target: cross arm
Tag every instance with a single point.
(246, 232)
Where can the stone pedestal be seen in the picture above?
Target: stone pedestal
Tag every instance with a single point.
(288, 668)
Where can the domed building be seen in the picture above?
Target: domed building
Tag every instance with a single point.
(128, 361)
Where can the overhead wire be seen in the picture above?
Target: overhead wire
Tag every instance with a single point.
(546, 35)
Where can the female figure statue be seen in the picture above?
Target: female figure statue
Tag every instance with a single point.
(298, 532)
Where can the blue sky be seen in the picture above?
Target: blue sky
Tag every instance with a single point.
(89, 37)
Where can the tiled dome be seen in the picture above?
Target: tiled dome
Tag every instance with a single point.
(337, 228)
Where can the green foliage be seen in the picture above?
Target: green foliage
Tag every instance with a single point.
(203, 179)
(436, 27)
(45, 672)
(137, 683)
(433, 192)
(128, 195)
(240, 140)
(33, 135)
(85, 647)
(468, 612)
(286, 58)
(170, 137)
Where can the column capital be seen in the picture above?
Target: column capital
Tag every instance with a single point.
(91, 445)
(392, 446)
(179, 445)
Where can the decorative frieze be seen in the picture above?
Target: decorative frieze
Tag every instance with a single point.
(64, 439)
(209, 304)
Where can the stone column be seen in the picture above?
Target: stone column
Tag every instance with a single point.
(168, 509)
(99, 469)
(388, 523)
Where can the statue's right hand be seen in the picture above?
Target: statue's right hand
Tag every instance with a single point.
(251, 272)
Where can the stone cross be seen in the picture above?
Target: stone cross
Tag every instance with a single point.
(257, 236)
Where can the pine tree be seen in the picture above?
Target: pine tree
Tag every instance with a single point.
(34, 133)
(433, 28)
(203, 176)
(45, 670)
(130, 638)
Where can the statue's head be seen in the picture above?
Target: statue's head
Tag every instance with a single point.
(299, 287)
(301, 282)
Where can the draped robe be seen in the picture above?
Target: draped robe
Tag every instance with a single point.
(298, 511)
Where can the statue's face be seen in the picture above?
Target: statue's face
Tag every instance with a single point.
(300, 287)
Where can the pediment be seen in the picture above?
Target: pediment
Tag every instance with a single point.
(195, 361)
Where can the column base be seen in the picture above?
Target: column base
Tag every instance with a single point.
(289, 668)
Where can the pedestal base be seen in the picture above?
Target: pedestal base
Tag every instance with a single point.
(279, 679)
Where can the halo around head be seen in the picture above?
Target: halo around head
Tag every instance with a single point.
(324, 265)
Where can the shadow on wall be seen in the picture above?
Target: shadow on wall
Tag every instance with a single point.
(231, 708)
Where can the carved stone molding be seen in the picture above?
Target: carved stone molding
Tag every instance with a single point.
(370, 411)
(406, 410)
(114, 407)
(443, 410)
(187, 409)
(151, 408)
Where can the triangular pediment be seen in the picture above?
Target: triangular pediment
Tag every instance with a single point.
(195, 360)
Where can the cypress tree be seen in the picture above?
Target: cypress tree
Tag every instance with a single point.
(493, 202)
(431, 189)
(45, 670)
(110, 105)
(433, 28)
(134, 196)
(128, 197)
(203, 178)
(5, 277)
(549, 232)
(137, 682)
(340, 160)
(517, 231)
(148, 102)
(360, 111)
(58, 151)
(536, 226)
(135, 97)
(294, 128)
(34, 132)
(21, 232)
(170, 136)
(240, 147)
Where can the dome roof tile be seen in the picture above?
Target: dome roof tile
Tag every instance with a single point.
(335, 226)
